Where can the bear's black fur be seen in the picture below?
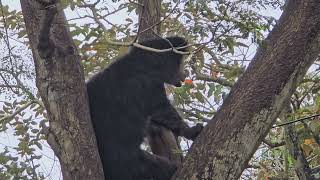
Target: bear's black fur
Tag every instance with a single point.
(124, 97)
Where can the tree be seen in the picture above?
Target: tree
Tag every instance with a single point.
(226, 145)
(219, 29)
(60, 82)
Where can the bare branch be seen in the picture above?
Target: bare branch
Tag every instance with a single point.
(9, 86)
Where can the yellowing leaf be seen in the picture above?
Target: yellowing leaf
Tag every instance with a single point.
(309, 141)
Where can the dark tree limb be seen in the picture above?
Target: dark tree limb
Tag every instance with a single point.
(61, 85)
(302, 168)
(227, 143)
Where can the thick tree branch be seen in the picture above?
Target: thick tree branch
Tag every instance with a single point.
(60, 81)
(228, 142)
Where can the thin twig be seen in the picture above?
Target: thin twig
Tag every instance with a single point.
(298, 120)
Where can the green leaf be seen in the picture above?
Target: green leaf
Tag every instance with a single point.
(199, 97)
(211, 89)
(230, 43)
(201, 86)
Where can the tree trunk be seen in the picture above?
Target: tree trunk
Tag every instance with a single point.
(149, 18)
(162, 141)
(227, 143)
(60, 82)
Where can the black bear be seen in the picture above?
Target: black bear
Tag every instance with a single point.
(124, 97)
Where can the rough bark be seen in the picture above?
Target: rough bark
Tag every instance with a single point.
(60, 82)
(162, 142)
(149, 18)
(227, 143)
